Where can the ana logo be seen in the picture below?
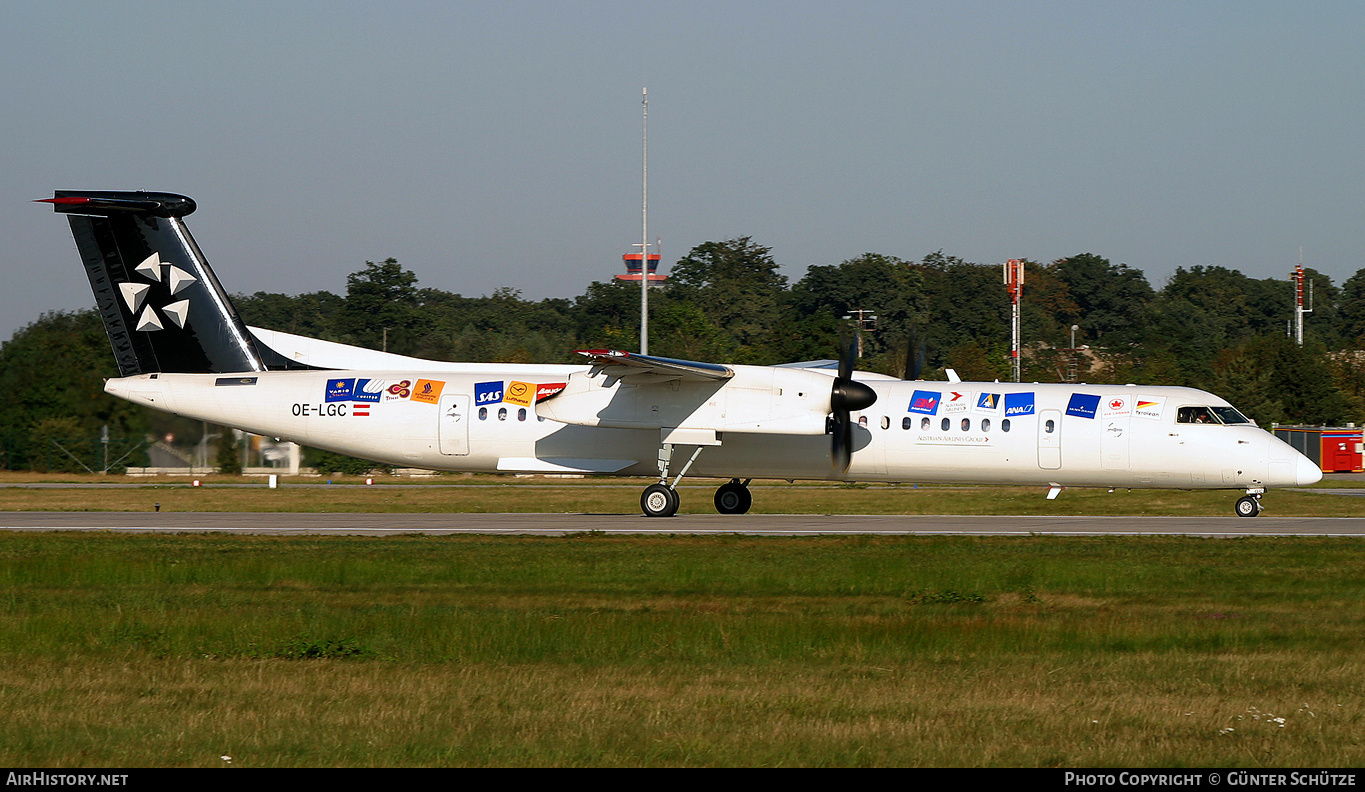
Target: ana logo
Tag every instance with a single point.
(925, 402)
(1083, 405)
(488, 392)
(988, 401)
(339, 390)
(1017, 404)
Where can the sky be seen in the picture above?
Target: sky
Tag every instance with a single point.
(498, 144)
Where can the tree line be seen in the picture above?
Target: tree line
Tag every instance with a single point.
(1211, 328)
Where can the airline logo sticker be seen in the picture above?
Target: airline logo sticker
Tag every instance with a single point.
(367, 390)
(428, 391)
(1116, 406)
(1083, 405)
(989, 402)
(339, 390)
(1017, 404)
(1148, 407)
(547, 389)
(487, 392)
(955, 402)
(925, 402)
(520, 393)
(398, 391)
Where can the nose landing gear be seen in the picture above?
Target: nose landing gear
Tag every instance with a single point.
(1249, 505)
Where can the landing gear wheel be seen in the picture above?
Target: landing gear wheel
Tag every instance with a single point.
(659, 501)
(733, 498)
(1247, 507)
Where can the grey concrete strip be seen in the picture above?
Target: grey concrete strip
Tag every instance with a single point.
(753, 524)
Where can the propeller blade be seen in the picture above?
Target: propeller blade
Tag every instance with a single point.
(914, 355)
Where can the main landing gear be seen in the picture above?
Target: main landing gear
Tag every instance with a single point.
(661, 500)
(1249, 505)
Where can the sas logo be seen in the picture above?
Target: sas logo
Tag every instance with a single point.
(339, 390)
(428, 391)
(1017, 404)
(925, 402)
(988, 401)
(1083, 405)
(487, 392)
(520, 393)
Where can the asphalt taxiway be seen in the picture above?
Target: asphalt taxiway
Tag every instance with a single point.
(282, 524)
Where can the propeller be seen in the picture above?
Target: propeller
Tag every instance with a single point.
(845, 397)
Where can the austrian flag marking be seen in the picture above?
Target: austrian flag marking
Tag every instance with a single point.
(360, 410)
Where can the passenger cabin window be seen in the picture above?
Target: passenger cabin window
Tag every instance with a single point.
(502, 413)
(521, 414)
(905, 422)
(945, 424)
(1049, 426)
(483, 413)
(985, 424)
(886, 422)
(966, 424)
(924, 423)
(1005, 425)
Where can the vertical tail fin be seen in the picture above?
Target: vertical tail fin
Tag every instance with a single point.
(162, 306)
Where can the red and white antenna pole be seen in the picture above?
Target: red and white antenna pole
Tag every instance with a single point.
(1014, 283)
(1297, 277)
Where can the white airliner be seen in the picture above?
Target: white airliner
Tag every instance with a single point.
(182, 348)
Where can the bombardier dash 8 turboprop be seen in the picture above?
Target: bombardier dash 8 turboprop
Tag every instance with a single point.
(181, 348)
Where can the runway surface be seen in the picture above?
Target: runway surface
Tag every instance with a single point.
(281, 524)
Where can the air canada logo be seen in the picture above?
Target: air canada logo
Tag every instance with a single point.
(148, 318)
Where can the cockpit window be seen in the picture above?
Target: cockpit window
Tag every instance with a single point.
(1195, 415)
(1229, 415)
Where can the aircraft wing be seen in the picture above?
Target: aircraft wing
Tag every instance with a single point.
(617, 364)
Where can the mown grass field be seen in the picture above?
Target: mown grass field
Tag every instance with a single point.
(622, 496)
(132, 650)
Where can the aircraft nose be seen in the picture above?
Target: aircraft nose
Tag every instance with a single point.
(1307, 472)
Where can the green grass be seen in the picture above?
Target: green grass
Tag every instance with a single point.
(617, 496)
(130, 650)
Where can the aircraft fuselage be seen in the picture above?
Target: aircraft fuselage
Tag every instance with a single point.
(484, 418)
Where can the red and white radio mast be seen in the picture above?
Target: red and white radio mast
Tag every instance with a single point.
(1014, 283)
(1297, 277)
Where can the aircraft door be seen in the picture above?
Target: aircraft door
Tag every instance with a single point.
(1050, 439)
(1114, 441)
(453, 429)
